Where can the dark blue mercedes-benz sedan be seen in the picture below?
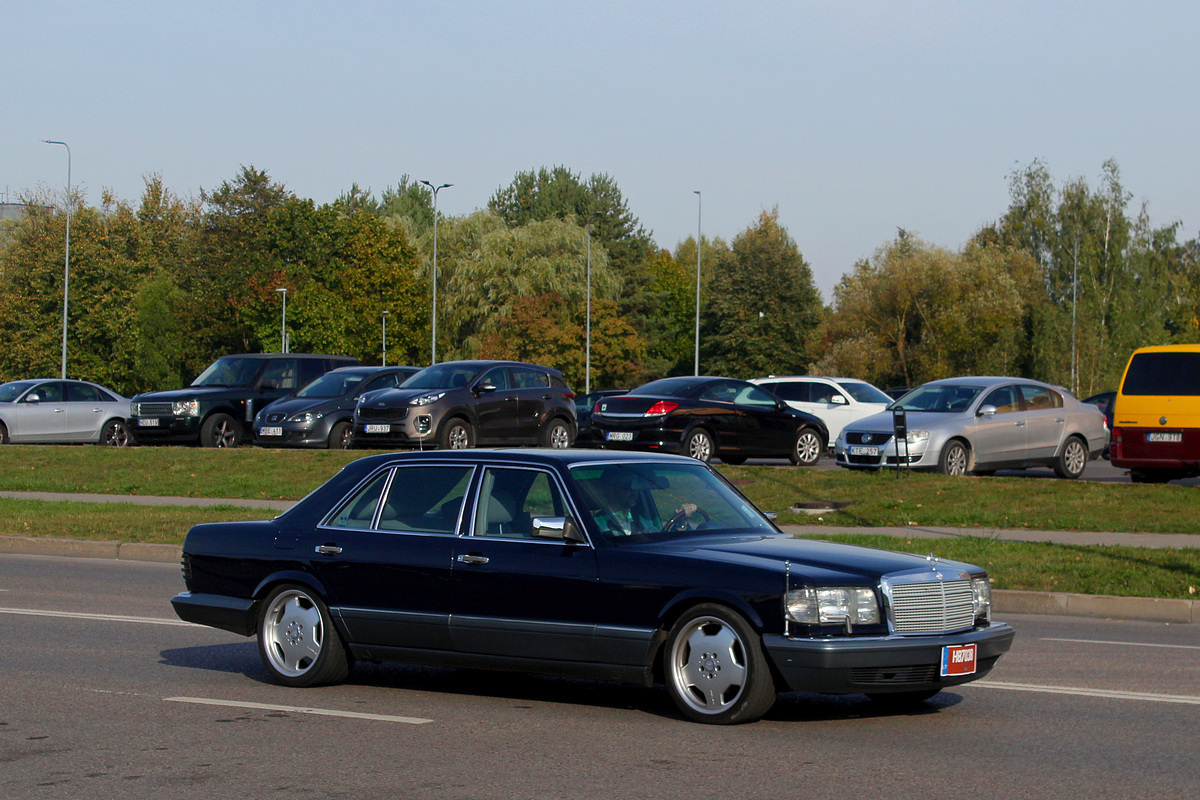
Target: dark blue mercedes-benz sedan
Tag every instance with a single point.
(631, 567)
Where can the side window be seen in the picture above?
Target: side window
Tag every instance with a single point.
(359, 510)
(281, 373)
(796, 391)
(498, 377)
(528, 378)
(751, 395)
(82, 393)
(1004, 399)
(721, 391)
(425, 499)
(50, 392)
(509, 500)
(1038, 398)
(822, 392)
(311, 369)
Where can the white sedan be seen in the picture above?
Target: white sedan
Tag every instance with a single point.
(49, 410)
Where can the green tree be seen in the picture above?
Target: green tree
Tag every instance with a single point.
(762, 305)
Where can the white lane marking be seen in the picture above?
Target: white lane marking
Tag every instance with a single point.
(1125, 644)
(33, 612)
(326, 712)
(1081, 692)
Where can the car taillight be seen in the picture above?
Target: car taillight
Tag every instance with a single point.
(661, 407)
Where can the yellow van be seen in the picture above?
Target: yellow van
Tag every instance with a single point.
(1156, 416)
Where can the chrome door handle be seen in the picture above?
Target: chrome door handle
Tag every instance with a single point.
(327, 549)
(472, 559)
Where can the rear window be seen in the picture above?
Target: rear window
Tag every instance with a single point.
(1163, 374)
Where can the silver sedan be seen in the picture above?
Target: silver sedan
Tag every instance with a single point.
(48, 410)
(980, 425)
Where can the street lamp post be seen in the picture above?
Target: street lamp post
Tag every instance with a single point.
(385, 316)
(433, 336)
(66, 258)
(699, 212)
(283, 342)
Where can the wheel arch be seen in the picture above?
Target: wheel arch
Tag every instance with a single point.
(958, 438)
(683, 603)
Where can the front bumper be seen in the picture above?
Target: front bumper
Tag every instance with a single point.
(884, 455)
(294, 434)
(156, 428)
(880, 664)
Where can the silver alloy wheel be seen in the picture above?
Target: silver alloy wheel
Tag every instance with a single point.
(1073, 460)
(700, 446)
(708, 665)
(808, 448)
(955, 459)
(560, 437)
(115, 434)
(458, 436)
(293, 633)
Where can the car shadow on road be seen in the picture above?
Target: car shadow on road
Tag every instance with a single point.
(242, 659)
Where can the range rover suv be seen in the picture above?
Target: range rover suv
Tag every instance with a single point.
(218, 409)
(460, 404)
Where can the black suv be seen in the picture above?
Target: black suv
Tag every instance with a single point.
(219, 407)
(464, 403)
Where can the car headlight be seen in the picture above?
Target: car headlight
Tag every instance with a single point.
(426, 399)
(306, 417)
(814, 605)
(186, 408)
(982, 597)
(917, 436)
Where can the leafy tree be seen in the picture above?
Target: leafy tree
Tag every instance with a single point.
(411, 200)
(762, 305)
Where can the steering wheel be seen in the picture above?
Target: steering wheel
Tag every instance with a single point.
(683, 521)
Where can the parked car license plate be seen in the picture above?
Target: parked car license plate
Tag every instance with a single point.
(270, 431)
(377, 428)
(862, 450)
(959, 659)
(148, 422)
(619, 436)
(1164, 436)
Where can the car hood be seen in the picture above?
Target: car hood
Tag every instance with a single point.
(814, 561)
(917, 420)
(297, 405)
(385, 398)
(190, 392)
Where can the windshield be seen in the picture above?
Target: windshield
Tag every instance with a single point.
(864, 392)
(11, 391)
(655, 502)
(229, 371)
(947, 398)
(332, 384)
(442, 376)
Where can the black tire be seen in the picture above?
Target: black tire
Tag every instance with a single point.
(715, 668)
(457, 434)
(297, 641)
(955, 459)
(221, 430)
(557, 435)
(3, 434)
(1074, 457)
(984, 473)
(340, 436)
(806, 449)
(734, 460)
(115, 433)
(699, 445)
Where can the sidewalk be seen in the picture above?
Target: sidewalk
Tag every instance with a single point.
(1005, 601)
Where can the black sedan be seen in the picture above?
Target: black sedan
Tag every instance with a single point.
(322, 413)
(626, 567)
(703, 417)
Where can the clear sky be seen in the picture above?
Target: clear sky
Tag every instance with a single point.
(852, 118)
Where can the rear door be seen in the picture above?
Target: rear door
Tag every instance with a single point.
(86, 412)
(1046, 420)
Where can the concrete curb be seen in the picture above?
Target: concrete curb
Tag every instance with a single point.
(1006, 601)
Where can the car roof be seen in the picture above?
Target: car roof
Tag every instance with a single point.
(807, 378)
(288, 355)
(539, 456)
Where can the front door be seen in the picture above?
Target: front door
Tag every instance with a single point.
(999, 438)
(497, 408)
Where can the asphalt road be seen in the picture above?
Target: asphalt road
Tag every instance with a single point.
(104, 694)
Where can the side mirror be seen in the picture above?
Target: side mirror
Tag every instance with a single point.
(485, 388)
(33, 398)
(838, 400)
(563, 529)
(986, 411)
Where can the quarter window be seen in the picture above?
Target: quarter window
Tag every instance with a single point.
(1038, 398)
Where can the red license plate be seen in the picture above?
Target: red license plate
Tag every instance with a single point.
(959, 659)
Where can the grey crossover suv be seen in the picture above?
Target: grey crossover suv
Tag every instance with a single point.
(466, 403)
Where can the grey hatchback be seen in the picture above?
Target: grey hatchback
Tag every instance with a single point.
(460, 404)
